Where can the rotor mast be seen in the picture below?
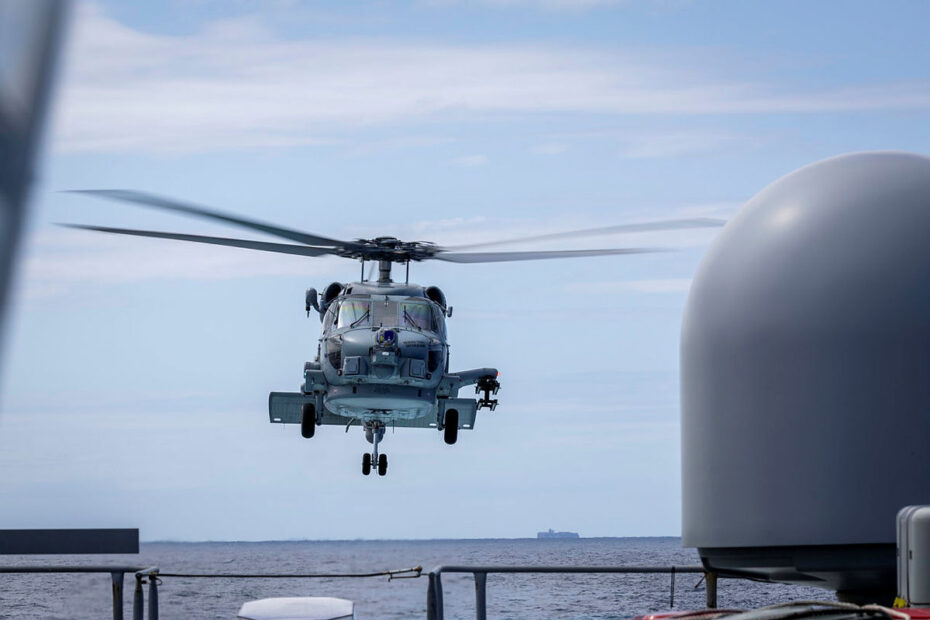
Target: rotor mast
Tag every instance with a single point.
(384, 272)
(385, 250)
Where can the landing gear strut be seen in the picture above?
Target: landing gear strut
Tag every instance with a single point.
(374, 433)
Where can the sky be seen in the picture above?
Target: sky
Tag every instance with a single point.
(136, 372)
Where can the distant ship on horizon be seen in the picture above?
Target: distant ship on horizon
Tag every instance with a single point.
(553, 534)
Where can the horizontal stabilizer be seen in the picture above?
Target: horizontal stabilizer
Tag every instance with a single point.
(285, 407)
(467, 408)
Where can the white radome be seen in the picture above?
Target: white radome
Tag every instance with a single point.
(805, 373)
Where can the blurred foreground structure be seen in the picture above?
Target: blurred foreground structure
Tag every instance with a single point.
(30, 33)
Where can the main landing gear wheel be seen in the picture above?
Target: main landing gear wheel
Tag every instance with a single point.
(366, 464)
(382, 464)
(450, 433)
(307, 420)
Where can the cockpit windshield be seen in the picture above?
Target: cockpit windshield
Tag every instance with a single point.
(354, 313)
(417, 315)
(414, 314)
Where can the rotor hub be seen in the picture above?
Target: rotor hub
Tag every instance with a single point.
(388, 249)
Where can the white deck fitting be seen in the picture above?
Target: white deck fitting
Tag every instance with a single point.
(298, 608)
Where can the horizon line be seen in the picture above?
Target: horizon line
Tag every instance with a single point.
(303, 540)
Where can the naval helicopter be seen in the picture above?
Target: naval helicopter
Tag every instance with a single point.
(382, 359)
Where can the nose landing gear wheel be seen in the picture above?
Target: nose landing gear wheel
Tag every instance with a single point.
(366, 464)
(382, 464)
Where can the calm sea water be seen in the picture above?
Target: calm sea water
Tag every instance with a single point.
(509, 596)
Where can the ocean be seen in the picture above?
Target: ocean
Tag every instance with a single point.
(574, 597)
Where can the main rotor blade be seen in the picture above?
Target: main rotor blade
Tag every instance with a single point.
(264, 246)
(151, 200)
(500, 257)
(679, 224)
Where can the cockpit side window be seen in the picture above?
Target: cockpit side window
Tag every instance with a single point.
(354, 313)
(439, 320)
(329, 317)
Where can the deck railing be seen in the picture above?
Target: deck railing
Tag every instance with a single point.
(434, 603)
(117, 576)
(434, 597)
(152, 576)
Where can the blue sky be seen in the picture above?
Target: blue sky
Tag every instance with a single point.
(136, 372)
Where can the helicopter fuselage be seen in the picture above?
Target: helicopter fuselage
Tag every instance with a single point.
(381, 354)
(383, 361)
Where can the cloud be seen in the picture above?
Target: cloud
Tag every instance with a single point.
(453, 224)
(397, 144)
(553, 5)
(236, 84)
(558, 5)
(651, 143)
(661, 286)
(470, 161)
(550, 148)
(676, 144)
(724, 210)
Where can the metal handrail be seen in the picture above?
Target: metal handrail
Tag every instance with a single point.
(434, 604)
(401, 573)
(117, 574)
(152, 576)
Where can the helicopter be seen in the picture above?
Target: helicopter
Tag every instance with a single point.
(382, 358)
